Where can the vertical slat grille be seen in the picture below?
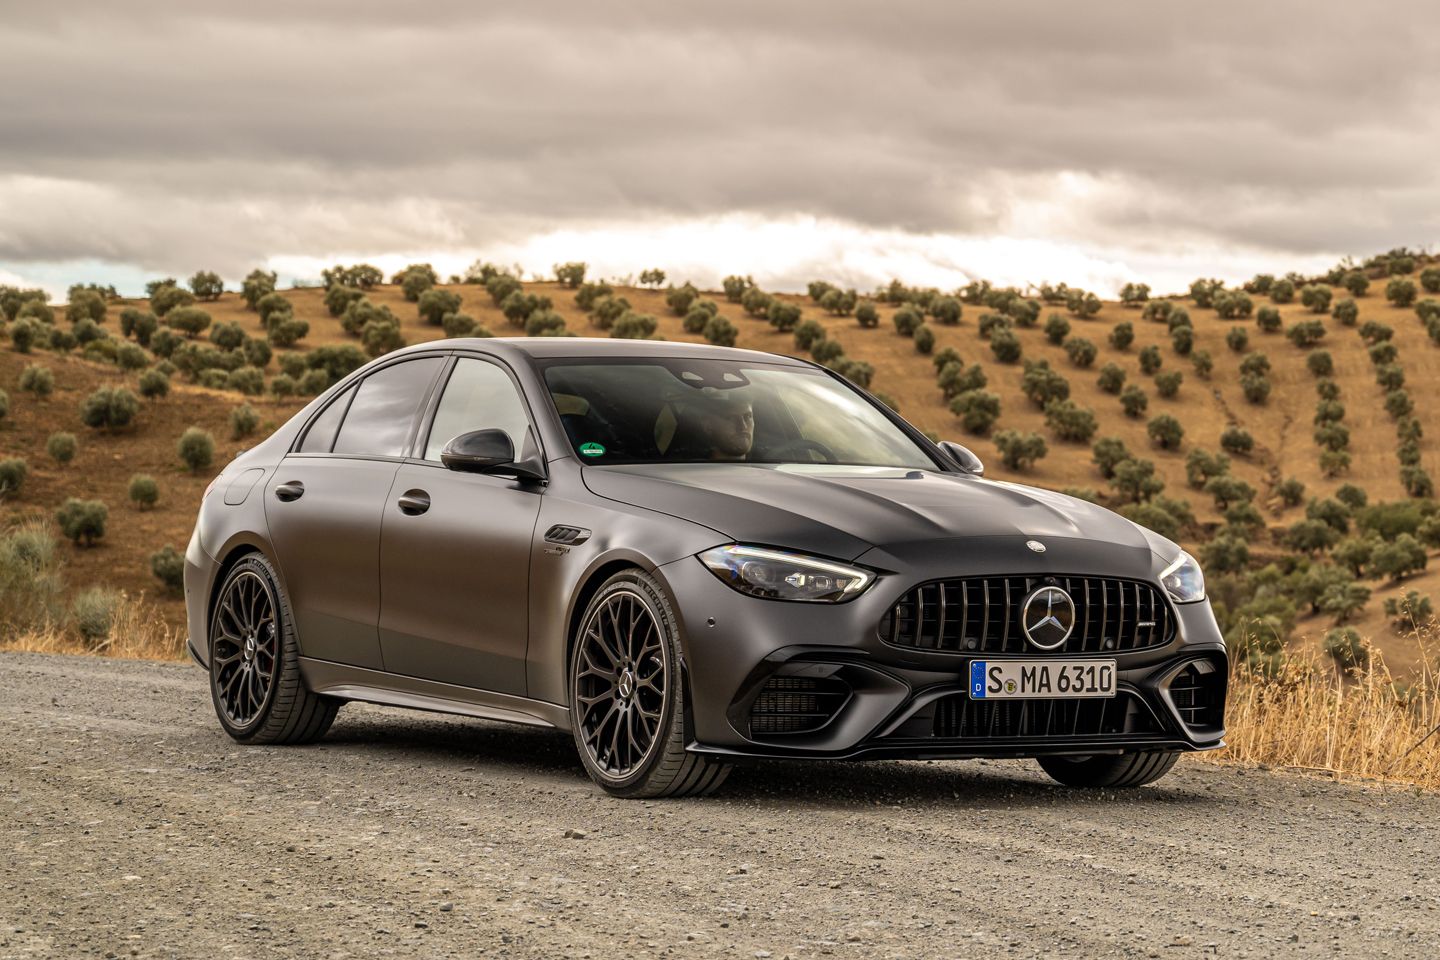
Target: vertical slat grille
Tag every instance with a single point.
(958, 717)
(1199, 695)
(982, 615)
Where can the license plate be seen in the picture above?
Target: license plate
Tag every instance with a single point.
(1028, 679)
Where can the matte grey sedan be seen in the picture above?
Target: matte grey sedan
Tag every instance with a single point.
(686, 556)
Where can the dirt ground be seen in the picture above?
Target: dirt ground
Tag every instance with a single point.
(131, 826)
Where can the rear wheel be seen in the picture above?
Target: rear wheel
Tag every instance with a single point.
(627, 698)
(255, 679)
(1125, 770)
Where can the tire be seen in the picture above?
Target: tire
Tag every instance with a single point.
(1120, 772)
(613, 677)
(255, 682)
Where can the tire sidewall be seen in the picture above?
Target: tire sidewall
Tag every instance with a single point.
(257, 566)
(669, 732)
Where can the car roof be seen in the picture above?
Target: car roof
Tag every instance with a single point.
(550, 348)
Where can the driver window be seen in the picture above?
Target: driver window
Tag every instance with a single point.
(478, 396)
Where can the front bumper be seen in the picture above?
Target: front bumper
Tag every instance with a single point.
(880, 700)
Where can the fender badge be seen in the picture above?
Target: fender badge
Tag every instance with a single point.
(1035, 545)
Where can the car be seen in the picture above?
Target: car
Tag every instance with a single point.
(686, 556)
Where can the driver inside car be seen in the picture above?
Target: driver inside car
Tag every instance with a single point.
(721, 427)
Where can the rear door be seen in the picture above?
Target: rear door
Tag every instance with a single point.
(324, 507)
(455, 547)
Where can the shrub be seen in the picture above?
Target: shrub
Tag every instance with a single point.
(168, 566)
(634, 326)
(1228, 490)
(1070, 422)
(1254, 364)
(1057, 328)
(808, 334)
(1112, 378)
(82, 521)
(286, 330)
(416, 279)
(1134, 401)
(169, 298)
(196, 449)
(1372, 332)
(1430, 279)
(1020, 451)
(1346, 311)
(1122, 335)
(1382, 353)
(1025, 313)
(839, 303)
(652, 278)
(1167, 384)
(1416, 481)
(1203, 363)
(608, 310)
(12, 476)
(946, 310)
(1083, 305)
(37, 380)
(61, 447)
(1165, 431)
(1201, 466)
(244, 421)
(1204, 291)
(130, 357)
(783, 316)
(679, 299)
(1401, 291)
(571, 274)
(1282, 291)
(977, 409)
(501, 286)
(1332, 436)
(756, 303)
(109, 408)
(1320, 363)
(1237, 441)
(1158, 310)
(88, 331)
(1135, 480)
(1042, 385)
(1398, 558)
(144, 491)
(734, 287)
(956, 379)
(1256, 388)
(867, 315)
(696, 319)
(827, 352)
(164, 343)
(1150, 361)
(721, 332)
(85, 305)
(1316, 297)
(227, 336)
(313, 382)
(1398, 404)
(907, 320)
(207, 285)
(1182, 339)
(1353, 497)
(154, 384)
(1306, 333)
(24, 334)
(247, 380)
(93, 613)
(1329, 411)
(191, 321)
(544, 323)
(1005, 345)
(1327, 389)
(1268, 320)
(283, 386)
(990, 322)
(1081, 352)
(1233, 305)
(257, 284)
(1391, 376)
(924, 339)
(435, 303)
(1334, 462)
(1107, 453)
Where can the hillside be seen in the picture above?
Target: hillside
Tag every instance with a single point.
(1281, 427)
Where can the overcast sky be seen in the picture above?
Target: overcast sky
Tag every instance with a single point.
(1021, 141)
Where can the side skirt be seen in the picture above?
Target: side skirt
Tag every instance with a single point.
(373, 686)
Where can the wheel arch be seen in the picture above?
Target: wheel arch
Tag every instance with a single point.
(235, 550)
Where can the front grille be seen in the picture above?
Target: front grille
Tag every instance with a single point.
(982, 615)
(797, 704)
(957, 717)
(1198, 692)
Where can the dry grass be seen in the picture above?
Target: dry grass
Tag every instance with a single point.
(1313, 718)
(137, 632)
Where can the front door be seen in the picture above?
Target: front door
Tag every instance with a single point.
(455, 547)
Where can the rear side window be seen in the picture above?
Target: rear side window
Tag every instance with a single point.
(321, 435)
(380, 417)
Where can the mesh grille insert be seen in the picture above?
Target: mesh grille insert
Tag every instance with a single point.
(797, 704)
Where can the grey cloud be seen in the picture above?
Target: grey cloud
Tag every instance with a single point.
(252, 129)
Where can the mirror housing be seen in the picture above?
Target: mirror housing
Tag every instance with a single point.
(964, 458)
(488, 452)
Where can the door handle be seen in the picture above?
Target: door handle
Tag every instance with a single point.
(290, 491)
(414, 502)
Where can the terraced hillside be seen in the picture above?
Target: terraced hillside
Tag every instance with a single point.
(1281, 428)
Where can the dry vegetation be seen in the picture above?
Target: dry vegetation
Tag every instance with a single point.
(1287, 711)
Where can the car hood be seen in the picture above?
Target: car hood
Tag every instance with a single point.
(843, 512)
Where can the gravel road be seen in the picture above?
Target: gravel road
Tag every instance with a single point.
(131, 826)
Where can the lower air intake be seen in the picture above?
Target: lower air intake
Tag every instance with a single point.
(797, 704)
(957, 717)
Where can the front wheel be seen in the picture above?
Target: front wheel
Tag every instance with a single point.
(1125, 770)
(255, 680)
(627, 696)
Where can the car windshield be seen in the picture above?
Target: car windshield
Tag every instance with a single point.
(667, 410)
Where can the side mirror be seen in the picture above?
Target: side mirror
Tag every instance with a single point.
(478, 451)
(964, 458)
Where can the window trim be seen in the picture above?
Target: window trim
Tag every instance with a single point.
(421, 435)
(351, 386)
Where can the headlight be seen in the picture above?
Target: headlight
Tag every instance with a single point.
(779, 575)
(1183, 579)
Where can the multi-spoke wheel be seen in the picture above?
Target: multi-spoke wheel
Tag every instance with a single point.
(627, 697)
(254, 662)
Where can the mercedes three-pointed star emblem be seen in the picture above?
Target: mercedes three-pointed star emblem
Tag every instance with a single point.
(1047, 617)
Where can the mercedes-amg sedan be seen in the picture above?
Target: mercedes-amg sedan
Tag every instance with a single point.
(683, 556)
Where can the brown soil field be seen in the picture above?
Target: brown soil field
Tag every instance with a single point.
(1281, 427)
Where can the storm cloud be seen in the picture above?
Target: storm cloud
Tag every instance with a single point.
(166, 136)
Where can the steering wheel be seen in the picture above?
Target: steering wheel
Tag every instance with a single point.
(787, 450)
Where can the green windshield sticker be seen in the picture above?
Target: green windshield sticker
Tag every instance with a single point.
(592, 449)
